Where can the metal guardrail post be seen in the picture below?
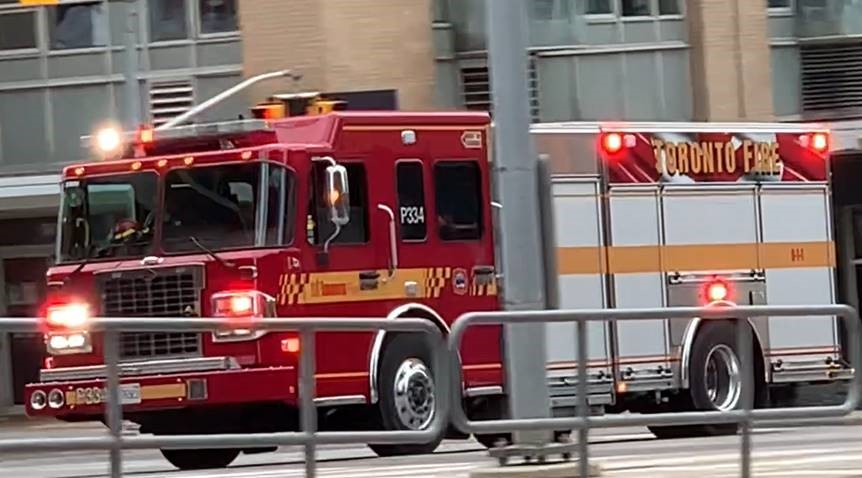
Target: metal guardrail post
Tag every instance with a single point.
(746, 417)
(583, 403)
(745, 347)
(114, 405)
(308, 411)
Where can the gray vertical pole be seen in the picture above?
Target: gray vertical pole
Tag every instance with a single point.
(520, 228)
(115, 409)
(130, 71)
(307, 410)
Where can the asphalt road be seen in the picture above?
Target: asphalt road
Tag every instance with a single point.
(804, 452)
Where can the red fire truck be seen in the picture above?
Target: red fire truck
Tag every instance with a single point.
(304, 211)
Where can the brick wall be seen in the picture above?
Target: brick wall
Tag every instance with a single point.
(730, 60)
(343, 45)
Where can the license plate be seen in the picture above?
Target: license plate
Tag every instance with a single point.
(130, 394)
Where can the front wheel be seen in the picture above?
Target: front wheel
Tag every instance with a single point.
(201, 459)
(407, 393)
(716, 381)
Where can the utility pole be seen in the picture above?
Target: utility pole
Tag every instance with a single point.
(520, 226)
(131, 67)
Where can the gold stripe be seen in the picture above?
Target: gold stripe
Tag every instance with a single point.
(341, 375)
(695, 257)
(483, 366)
(415, 127)
(161, 392)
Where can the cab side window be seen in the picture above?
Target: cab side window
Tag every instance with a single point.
(458, 191)
(411, 201)
(318, 226)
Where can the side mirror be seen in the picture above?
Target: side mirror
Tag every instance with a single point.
(338, 194)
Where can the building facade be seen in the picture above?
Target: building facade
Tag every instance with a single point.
(62, 75)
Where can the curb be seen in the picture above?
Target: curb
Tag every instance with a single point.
(557, 470)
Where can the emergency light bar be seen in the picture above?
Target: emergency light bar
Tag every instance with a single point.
(149, 135)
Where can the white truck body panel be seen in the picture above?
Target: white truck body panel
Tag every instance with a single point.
(577, 216)
(636, 220)
(799, 340)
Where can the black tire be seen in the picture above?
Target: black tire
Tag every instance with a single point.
(201, 459)
(718, 338)
(402, 348)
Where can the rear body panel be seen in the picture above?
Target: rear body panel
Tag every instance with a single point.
(678, 205)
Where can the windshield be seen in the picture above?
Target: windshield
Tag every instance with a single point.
(107, 217)
(217, 207)
(220, 206)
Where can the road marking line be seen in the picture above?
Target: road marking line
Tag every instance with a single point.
(392, 470)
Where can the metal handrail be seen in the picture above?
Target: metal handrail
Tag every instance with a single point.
(308, 434)
(583, 422)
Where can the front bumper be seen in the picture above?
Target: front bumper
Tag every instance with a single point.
(168, 390)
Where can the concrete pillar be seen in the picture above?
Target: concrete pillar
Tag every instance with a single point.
(343, 45)
(730, 60)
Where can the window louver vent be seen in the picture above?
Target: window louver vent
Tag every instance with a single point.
(832, 77)
(476, 88)
(169, 99)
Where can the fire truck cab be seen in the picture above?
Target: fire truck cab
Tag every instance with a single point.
(303, 211)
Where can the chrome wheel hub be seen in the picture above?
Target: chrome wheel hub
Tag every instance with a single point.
(723, 379)
(414, 394)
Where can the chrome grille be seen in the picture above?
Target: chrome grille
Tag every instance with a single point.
(157, 293)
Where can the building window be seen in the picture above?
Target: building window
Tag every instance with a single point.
(669, 7)
(549, 10)
(167, 20)
(782, 4)
(411, 201)
(636, 8)
(458, 191)
(18, 30)
(599, 7)
(218, 16)
(81, 25)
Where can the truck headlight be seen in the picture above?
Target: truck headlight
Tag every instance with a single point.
(73, 343)
(38, 400)
(56, 398)
(241, 309)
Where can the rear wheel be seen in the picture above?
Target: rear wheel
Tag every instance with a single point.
(201, 459)
(407, 392)
(715, 382)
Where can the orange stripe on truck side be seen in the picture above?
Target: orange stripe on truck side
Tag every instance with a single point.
(695, 257)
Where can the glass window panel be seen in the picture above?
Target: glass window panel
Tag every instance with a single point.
(167, 20)
(18, 30)
(218, 16)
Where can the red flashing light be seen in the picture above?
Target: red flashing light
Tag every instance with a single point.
(68, 316)
(717, 292)
(236, 305)
(146, 135)
(290, 345)
(820, 142)
(241, 305)
(612, 143)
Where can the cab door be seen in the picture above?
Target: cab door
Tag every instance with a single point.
(346, 270)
